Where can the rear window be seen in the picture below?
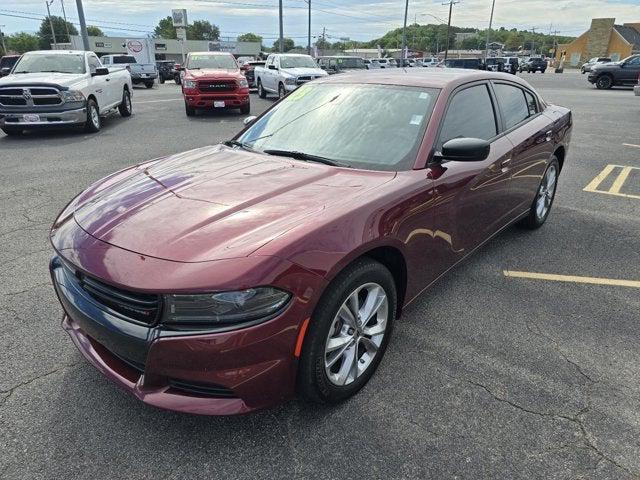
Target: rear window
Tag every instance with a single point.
(124, 59)
(512, 103)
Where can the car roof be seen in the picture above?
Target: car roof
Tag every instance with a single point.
(291, 54)
(434, 78)
(61, 52)
(211, 53)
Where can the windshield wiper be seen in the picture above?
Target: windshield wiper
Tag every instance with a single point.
(236, 143)
(305, 156)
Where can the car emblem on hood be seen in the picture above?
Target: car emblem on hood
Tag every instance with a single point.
(26, 94)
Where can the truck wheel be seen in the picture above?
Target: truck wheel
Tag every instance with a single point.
(245, 108)
(125, 106)
(190, 111)
(93, 122)
(176, 79)
(148, 84)
(604, 82)
(281, 91)
(12, 131)
(161, 80)
(261, 91)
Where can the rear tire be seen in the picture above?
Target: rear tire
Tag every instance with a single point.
(262, 93)
(360, 350)
(93, 123)
(604, 82)
(545, 195)
(13, 131)
(125, 108)
(190, 111)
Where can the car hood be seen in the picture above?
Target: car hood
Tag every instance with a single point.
(216, 202)
(298, 71)
(598, 66)
(60, 79)
(214, 73)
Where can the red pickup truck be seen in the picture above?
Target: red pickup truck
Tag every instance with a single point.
(213, 80)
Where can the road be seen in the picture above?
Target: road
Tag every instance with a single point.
(487, 375)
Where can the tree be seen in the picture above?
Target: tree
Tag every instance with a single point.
(203, 30)
(289, 44)
(22, 42)
(165, 29)
(249, 37)
(60, 29)
(94, 31)
(323, 44)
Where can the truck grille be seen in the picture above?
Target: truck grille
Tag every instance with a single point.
(305, 79)
(217, 86)
(29, 96)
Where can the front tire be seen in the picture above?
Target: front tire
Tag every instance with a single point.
(125, 108)
(262, 93)
(93, 123)
(148, 84)
(281, 91)
(244, 109)
(13, 131)
(604, 82)
(545, 195)
(190, 111)
(348, 333)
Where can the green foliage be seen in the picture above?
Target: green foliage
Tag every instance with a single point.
(94, 31)
(288, 45)
(198, 30)
(59, 28)
(22, 42)
(249, 37)
(514, 40)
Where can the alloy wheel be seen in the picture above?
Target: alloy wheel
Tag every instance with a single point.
(356, 334)
(546, 192)
(95, 116)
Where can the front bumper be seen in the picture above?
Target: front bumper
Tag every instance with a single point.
(592, 77)
(206, 100)
(52, 119)
(138, 77)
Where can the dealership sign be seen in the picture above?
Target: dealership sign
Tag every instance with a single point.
(139, 49)
(179, 17)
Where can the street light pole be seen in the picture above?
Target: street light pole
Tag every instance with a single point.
(451, 3)
(281, 46)
(404, 35)
(309, 33)
(486, 53)
(53, 33)
(83, 25)
(66, 24)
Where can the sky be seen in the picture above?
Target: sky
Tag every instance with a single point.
(354, 19)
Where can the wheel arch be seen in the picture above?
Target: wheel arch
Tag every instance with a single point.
(560, 153)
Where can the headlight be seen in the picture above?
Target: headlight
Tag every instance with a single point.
(224, 308)
(72, 96)
(243, 83)
(189, 83)
(290, 81)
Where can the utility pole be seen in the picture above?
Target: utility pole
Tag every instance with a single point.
(66, 24)
(4, 47)
(451, 3)
(533, 41)
(403, 53)
(83, 26)
(53, 33)
(486, 53)
(309, 44)
(324, 38)
(281, 46)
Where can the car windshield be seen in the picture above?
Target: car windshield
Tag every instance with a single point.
(211, 61)
(124, 59)
(50, 63)
(295, 62)
(374, 127)
(350, 62)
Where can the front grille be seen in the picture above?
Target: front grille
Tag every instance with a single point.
(29, 96)
(305, 79)
(250, 76)
(12, 101)
(202, 389)
(140, 307)
(217, 86)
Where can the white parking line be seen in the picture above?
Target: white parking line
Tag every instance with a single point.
(158, 101)
(631, 145)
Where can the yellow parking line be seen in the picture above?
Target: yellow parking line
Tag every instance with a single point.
(598, 180)
(622, 177)
(573, 279)
(631, 145)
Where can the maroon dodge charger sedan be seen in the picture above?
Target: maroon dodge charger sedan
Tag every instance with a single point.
(227, 278)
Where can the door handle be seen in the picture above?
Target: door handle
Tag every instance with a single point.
(505, 163)
(549, 135)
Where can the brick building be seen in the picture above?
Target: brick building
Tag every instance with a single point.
(603, 39)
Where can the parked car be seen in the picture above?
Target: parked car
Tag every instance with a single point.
(178, 72)
(586, 67)
(372, 64)
(6, 64)
(512, 64)
(430, 62)
(387, 62)
(467, 63)
(623, 73)
(213, 80)
(56, 88)
(495, 64)
(165, 70)
(533, 65)
(225, 279)
(248, 68)
(144, 73)
(636, 88)
(340, 64)
(284, 72)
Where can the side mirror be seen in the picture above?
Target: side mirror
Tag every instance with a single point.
(466, 150)
(4, 71)
(249, 120)
(100, 72)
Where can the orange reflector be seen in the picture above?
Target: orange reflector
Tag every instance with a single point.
(303, 330)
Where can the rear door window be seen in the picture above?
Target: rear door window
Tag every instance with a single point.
(512, 104)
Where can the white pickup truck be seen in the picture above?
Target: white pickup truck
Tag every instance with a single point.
(284, 72)
(53, 88)
(140, 72)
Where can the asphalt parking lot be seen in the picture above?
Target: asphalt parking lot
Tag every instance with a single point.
(488, 375)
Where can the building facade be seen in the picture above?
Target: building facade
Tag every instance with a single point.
(603, 39)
